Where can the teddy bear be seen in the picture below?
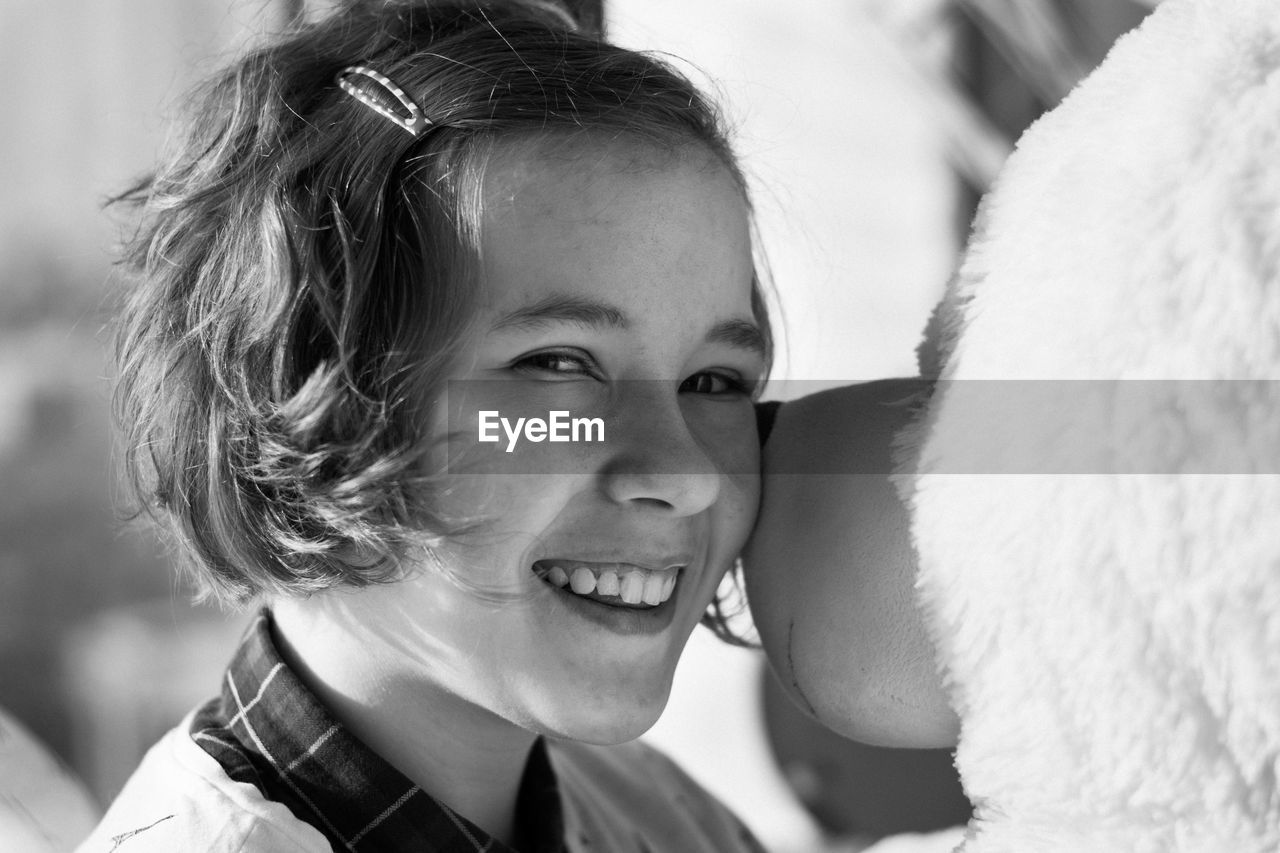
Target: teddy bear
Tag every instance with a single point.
(1094, 484)
(1060, 549)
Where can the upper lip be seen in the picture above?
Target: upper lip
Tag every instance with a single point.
(651, 563)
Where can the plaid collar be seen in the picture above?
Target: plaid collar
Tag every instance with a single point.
(268, 730)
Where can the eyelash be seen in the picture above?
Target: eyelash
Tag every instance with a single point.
(734, 385)
(530, 363)
(586, 366)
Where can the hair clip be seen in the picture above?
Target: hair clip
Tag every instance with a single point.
(554, 8)
(377, 92)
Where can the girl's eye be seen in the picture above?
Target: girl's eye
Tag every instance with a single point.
(558, 362)
(715, 384)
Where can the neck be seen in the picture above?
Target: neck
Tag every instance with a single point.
(462, 754)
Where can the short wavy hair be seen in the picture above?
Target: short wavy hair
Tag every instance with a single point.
(304, 269)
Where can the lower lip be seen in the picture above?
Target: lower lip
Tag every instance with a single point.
(629, 621)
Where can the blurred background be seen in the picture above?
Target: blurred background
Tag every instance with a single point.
(869, 129)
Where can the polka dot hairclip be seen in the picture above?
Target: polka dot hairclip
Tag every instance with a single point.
(378, 93)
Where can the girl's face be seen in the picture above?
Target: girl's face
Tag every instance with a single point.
(616, 284)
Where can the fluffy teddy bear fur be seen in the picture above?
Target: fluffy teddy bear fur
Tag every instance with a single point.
(1099, 535)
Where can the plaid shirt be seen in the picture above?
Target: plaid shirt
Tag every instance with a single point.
(269, 730)
(265, 769)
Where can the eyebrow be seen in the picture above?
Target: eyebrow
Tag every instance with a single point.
(562, 309)
(740, 334)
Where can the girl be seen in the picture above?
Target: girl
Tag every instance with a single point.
(383, 235)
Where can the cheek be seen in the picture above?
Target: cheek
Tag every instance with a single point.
(493, 470)
(744, 503)
(518, 427)
(726, 431)
(499, 519)
(736, 453)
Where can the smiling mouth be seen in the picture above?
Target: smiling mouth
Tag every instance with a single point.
(615, 584)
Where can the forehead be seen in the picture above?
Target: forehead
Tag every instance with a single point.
(610, 218)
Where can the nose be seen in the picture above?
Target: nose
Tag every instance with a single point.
(657, 461)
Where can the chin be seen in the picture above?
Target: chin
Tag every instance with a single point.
(605, 721)
(611, 734)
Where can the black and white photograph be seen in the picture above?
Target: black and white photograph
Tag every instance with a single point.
(640, 426)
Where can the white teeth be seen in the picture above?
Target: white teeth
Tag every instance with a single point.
(653, 589)
(608, 583)
(582, 581)
(633, 588)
